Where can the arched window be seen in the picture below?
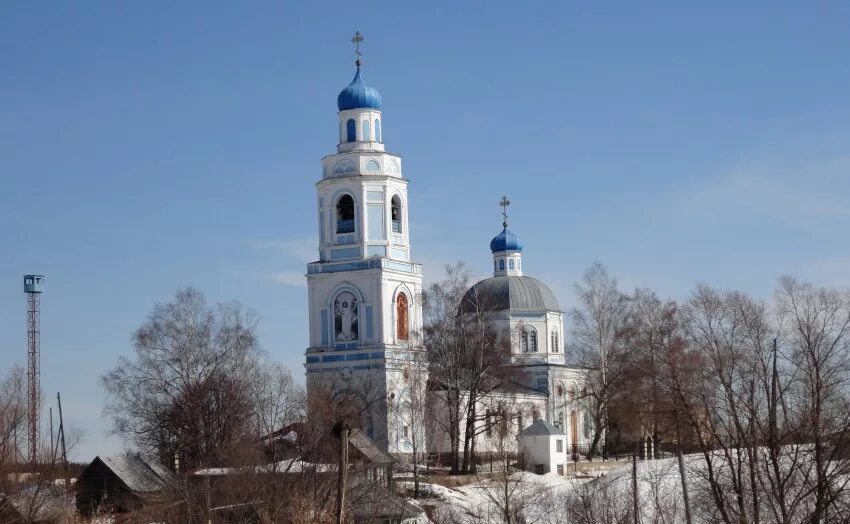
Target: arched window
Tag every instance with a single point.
(345, 215)
(402, 327)
(557, 348)
(511, 265)
(535, 415)
(495, 266)
(502, 265)
(377, 130)
(395, 213)
(488, 424)
(367, 137)
(529, 340)
(588, 425)
(560, 390)
(350, 130)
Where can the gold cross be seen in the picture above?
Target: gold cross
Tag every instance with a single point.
(505, 203)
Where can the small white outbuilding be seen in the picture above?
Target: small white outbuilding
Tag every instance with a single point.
(544, 448)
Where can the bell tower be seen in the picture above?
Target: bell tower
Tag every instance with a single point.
(364, 291)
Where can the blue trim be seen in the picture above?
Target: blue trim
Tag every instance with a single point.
(398, 266)
(369, 322)
(312, 360)
(357, 356)
(372, 263)
(377, 355)
(325, 327)
(376, 251)
(338, 254)
(351, 130)
(333, 358)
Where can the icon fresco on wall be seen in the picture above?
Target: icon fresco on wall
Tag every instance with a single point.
(345, 317)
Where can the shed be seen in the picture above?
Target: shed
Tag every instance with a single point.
(375, 504)
(121, 483)
(544, 448)
(368, 458)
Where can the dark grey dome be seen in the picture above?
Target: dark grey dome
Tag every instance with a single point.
(511, 293)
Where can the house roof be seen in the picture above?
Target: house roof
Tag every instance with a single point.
(364, 445)
(540, 428)
(137, 473)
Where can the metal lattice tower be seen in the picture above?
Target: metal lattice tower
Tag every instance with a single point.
(33, 287)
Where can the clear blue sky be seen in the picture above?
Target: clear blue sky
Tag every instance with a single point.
(148, 146)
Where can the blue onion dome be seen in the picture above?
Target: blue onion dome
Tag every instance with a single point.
(358, 95)
(505, 241)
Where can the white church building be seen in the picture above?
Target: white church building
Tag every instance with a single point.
(364, 290)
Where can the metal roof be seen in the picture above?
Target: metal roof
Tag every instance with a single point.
(371, 501)
(541, 428)
(509, 293)
(505, 241)
(138, 474)
(358, 95)
(365, 445)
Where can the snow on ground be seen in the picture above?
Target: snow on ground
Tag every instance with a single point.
(529, 495)
(547, 499)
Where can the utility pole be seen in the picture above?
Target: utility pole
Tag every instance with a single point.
(682, 474)
(52, 441)
(635, 489)
(342, 473)
(62, 436)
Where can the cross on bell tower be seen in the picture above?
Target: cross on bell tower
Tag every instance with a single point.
(357, 40)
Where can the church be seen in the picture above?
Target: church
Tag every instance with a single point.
(365, 309)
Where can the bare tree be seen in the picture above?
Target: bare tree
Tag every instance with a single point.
(441, 336)
(188, 389)
(469, 357)
(13, 414)
(409, 403)
(598, 322)
(818, 339)
(510, 494)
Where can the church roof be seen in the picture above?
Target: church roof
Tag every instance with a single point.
(540, 428)
(505, 241)
(358, 95)
(509, 293)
